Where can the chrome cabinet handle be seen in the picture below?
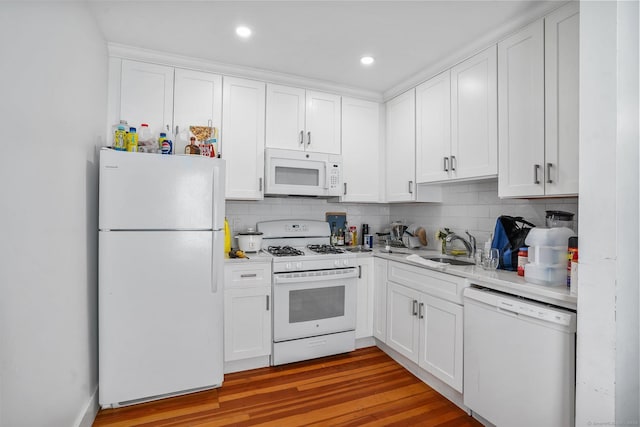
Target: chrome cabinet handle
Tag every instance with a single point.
(260, 184)
(410, 187)
(359, 272)
(267, 302)
(301, 137)
(421, 311)
(446, 164)
(535, 174)
(345, 189)
(308, 138)
(415, 307)
(177, 130)
(549, 181)
(453, 163)
(245, 276)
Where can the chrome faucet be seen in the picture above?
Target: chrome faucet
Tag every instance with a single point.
(470, 245)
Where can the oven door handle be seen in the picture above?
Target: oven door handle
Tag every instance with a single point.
(306, 277)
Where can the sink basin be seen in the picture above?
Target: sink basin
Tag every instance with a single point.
(447, 260)
(357, 249)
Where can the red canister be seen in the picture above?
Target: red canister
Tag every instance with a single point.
(523, 258)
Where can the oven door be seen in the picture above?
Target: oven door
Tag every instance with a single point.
(311, 303)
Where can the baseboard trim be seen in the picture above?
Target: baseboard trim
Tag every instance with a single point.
(88, 416)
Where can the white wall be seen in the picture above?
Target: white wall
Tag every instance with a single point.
(53, 104)
(628, 218)
(607, 353)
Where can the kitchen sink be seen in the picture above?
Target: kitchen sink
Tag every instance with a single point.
(447, 260)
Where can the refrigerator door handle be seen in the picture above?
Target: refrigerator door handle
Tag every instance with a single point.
(217, 259)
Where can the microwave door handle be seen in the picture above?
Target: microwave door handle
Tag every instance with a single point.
(326, 176)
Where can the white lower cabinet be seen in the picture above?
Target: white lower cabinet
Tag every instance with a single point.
(247, 312)
(364, 308)
(380, 299)
(426, 329)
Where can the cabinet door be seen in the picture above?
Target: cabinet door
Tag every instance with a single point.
(242, 137)
(360, 148)
(521, 113)
(441, 340)
(364, 309)
(146, 95)
(561, 100)
(474, 116)
(400, 148)
(433, 129)
(285, 117)
(323, 123)
(380, 299)
(197, 102)
(247, 323)
(402, 320)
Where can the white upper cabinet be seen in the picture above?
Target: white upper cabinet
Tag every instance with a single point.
(243, 137)
(400, 148)
(433, 129)
(168, 99)
(562, 46)
(538, 107)
(145, 95)
(521, 112)
(474, 117)
(360, 150)
(197, 102)
(299, 119)
(457, 123)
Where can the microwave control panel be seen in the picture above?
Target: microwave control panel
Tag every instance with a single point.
(334, 176)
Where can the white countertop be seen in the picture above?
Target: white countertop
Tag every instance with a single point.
(500, 280)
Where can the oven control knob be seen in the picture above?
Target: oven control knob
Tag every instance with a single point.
(298, 265)
(336, 263)
(287, 266)
(345, 262)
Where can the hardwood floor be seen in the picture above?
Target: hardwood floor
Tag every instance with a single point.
(362, 388)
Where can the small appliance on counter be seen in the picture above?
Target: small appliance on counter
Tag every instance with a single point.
(250, 240)
(397, 232)
(547, 256)
(559, 219)
(414, 236)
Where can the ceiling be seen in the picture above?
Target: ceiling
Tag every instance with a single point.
(320, 40)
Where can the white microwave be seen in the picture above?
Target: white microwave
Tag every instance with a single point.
(301, 173)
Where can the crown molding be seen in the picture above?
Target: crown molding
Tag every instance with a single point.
(162, 58)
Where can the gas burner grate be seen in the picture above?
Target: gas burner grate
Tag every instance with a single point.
(325, 249)
(284, 251)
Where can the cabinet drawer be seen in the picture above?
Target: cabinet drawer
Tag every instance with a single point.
(247, 275)
(445, 286)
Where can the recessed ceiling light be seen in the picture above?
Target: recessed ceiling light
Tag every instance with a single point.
(367, 60)
(243, 32)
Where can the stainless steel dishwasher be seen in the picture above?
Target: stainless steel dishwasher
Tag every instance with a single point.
(519, 360)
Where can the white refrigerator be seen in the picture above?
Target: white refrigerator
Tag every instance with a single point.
(161, 254)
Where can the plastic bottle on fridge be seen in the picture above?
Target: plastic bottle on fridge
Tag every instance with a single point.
(132, 140)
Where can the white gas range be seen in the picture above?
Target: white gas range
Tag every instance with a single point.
(314, 291)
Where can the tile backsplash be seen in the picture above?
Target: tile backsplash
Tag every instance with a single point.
(471, 206)
(475, 206)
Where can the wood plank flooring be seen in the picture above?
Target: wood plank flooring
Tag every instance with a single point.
(362, 388)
